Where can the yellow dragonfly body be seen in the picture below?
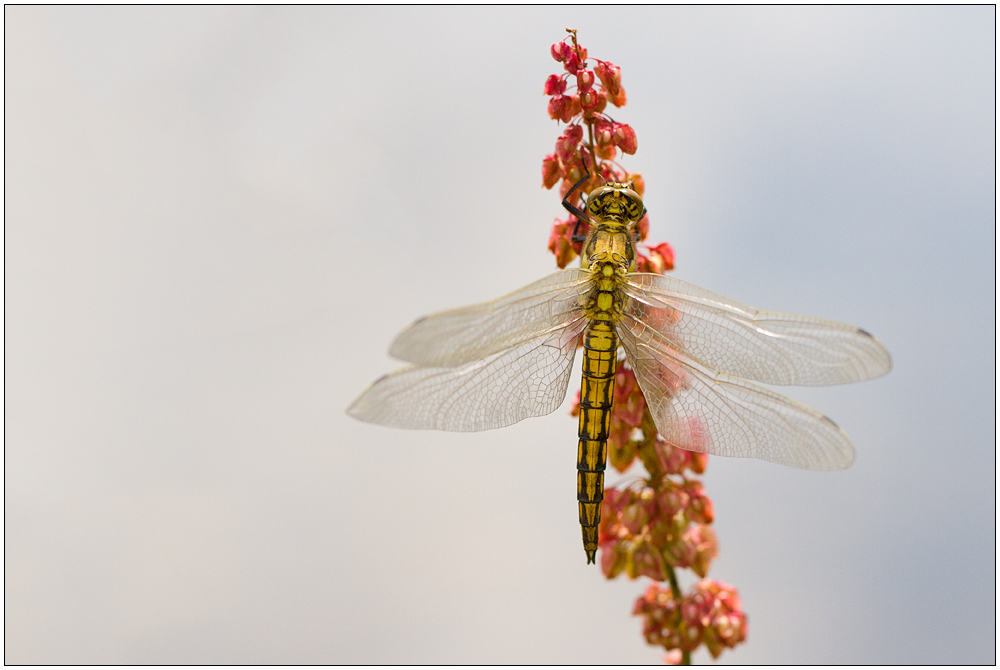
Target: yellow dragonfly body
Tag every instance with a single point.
(493, 364)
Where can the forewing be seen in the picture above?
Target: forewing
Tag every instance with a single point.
(767, 347)
(460, 336)
(699, 409)
(504, 388)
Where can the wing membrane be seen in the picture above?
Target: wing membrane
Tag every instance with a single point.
(699, 409)
(504, 388)
(739, 340)
(461, 336)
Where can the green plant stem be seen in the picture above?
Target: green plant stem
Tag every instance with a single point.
(675, 589)
(590, 141)
(646, 451)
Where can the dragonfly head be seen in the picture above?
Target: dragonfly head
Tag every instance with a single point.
(615, 202)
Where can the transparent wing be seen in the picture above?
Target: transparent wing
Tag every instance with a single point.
(504, 388)
(699, 409)
(460, 336)
(767, 347)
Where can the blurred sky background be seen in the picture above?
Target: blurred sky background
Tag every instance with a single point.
(217, 219)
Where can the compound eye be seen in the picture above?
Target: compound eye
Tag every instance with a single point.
(595, 201)
(634, 203)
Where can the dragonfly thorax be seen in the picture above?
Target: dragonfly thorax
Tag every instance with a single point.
(613, 209)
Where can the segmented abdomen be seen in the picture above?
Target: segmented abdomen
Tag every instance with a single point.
(600, 350)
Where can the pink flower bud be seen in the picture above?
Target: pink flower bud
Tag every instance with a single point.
(638, 183)
(671, 500)
(727, 595)
(564, 252)
(642, 228)
(730, 628)
(625, 138)
(700, 508)
(698, 462)
(560, 51)
(604, 137)
(647, 600)
(673, 657)
(610, 76)
(694, 488)
(726, 624)
(604, 131)
(574, 132)
(557, 106)
(585, 80)
(576, 60)
(679, 554)
(621, 452)
(566, 147)
(561, 244)
(660, 259)
(634, 517)
(701, 539)
(629, 402)
(618, 99)
(642, 262)
(647, 498)
(552, 170)
(649, 563)
(555, 85)
(696, 608)
(619, 434)
(572, 63)
(664, 255)
(613, 560)
(573, 108)
(602, 101)
(615, 500)
(624, 382)
(606, 151)
(611, 80)
(564, 107)
(588, 100)
(672, 460)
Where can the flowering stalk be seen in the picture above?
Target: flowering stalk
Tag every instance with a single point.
(662, 522)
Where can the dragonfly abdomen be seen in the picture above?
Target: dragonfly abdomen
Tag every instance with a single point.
(600, 350)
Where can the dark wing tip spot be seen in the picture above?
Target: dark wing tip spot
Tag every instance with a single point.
(830, 421)
(865, 333)
(422, 318)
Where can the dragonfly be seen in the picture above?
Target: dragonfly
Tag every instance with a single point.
(695, 355)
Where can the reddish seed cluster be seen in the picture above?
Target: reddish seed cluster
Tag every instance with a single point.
(710, 614)
(646, 530)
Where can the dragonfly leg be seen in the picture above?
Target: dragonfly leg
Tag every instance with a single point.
(574, 210)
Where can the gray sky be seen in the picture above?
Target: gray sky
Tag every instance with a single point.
(217, 219)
